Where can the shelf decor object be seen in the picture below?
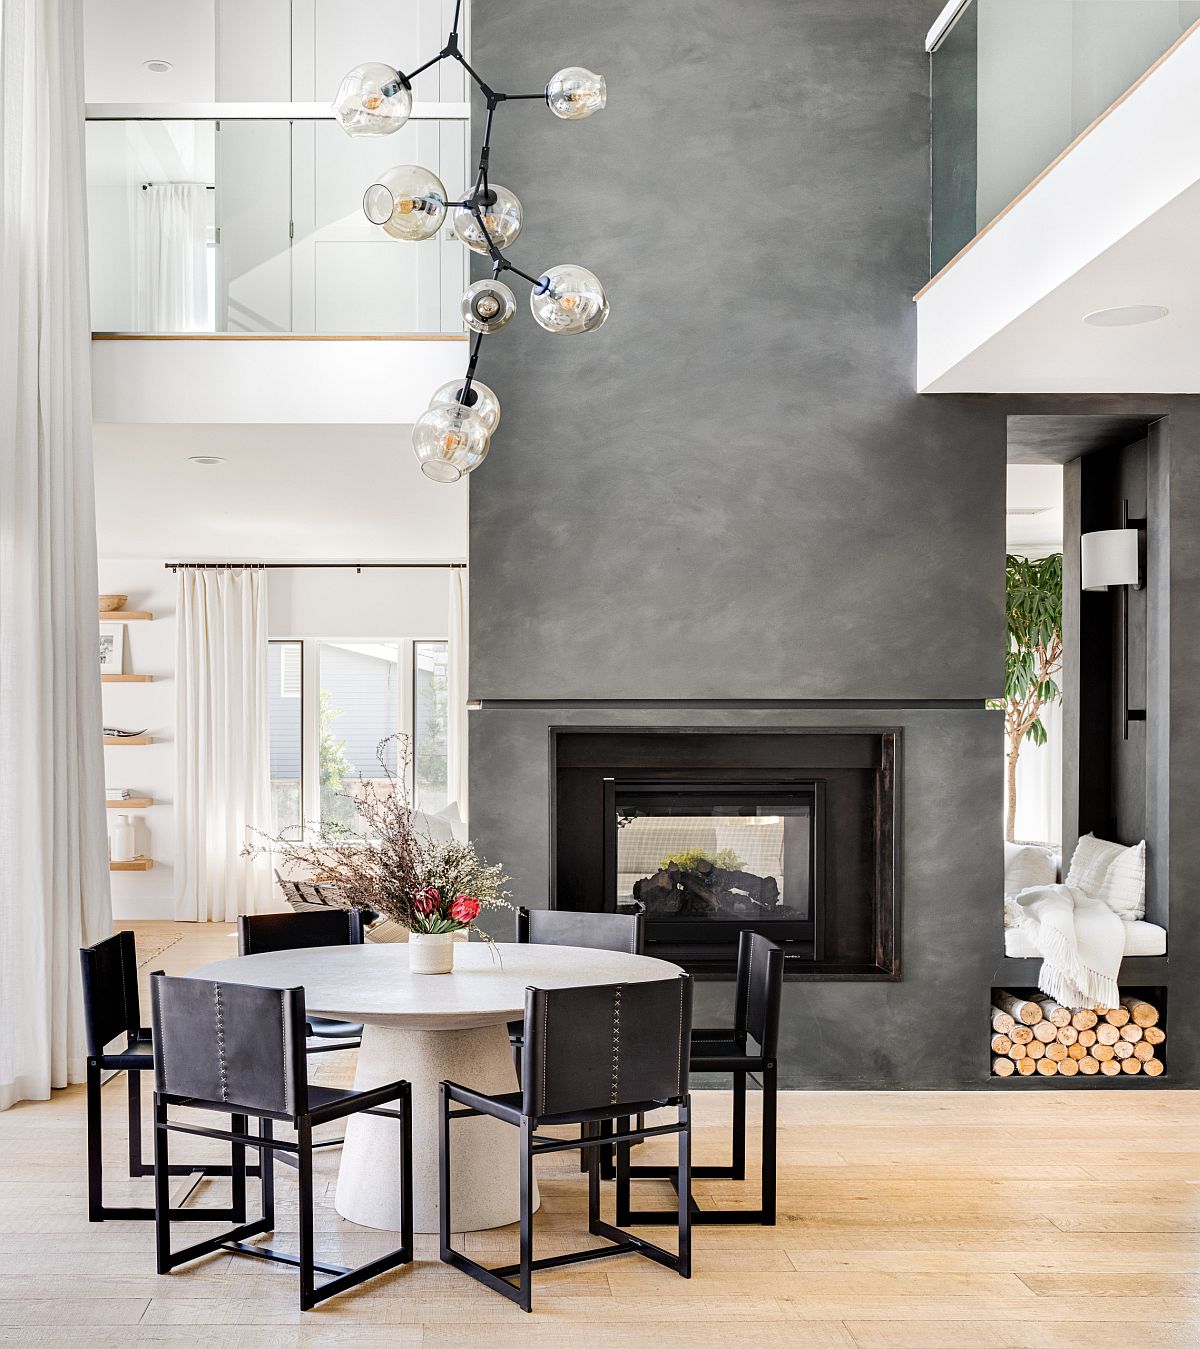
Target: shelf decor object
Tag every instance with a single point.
(112, 648)
(453, 436)
(110, 602)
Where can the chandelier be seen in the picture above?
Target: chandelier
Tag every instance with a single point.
(452, 437)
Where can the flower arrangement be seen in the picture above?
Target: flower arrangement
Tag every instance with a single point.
(391, 866)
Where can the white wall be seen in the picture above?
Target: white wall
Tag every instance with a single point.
(301, 603)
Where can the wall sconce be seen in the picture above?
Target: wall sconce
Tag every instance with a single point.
(1113, 557)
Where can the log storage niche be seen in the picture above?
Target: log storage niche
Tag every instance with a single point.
(1030, 1035)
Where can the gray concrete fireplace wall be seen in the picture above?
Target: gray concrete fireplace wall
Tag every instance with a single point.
(728, 508)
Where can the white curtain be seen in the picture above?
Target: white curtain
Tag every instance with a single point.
(456, 731)
(171, 246)
(55, 894)
(223, 790)
(1039, 784)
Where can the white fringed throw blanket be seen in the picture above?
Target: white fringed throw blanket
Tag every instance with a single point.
(1081, 940)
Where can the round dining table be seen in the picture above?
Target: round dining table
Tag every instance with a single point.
(424, 1029)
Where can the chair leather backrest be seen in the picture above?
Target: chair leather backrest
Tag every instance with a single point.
(110, 990)
(293, 931)
(563, 927)
(759, 990)
(236, 1044)
(596, 1047)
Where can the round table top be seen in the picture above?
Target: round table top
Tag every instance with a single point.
(372, 983)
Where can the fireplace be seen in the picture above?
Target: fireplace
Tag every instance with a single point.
(788, 833)
(697, 856)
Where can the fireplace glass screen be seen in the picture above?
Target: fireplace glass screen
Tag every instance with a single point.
(715, 854)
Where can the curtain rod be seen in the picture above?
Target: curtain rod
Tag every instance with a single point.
(322, 566)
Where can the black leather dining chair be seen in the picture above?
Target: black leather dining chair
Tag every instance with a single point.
(296, 931)
(757, 998)
(112, 1011)
(239, 1050)
(564, 927)
(594, 1055)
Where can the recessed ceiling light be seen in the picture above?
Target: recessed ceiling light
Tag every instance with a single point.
(1126, 315)
(158, 67)
(205, 459)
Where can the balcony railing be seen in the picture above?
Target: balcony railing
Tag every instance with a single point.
(1015, 82)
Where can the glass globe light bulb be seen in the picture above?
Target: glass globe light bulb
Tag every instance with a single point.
(501, 218)
(373, 100)
(568, 299)
(486, 306)
(481, 400)
(408, 202)
(575, 93)
(450, 441)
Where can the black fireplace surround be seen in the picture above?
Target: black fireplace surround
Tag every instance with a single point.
(788, 833)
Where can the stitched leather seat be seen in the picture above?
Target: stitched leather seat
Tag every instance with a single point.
(240, 1051)
(297, 931)
(595, 1057)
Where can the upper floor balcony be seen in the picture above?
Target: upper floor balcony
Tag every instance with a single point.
(1066, 194)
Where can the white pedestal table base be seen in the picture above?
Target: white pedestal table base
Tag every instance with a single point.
(484, 1153)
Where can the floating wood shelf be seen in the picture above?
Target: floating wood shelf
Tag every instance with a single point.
(125, 616)
(126, 679)
(131, 803)
(134, 864)
(129, 740)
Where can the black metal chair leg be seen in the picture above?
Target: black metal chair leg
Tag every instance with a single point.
(770, 1093)
(590, 1157)
(526, 1272)
(308, 1276)
(444, 1172)
(739, 1126)
(162, 1190)
(137, 1166)
(684, 1186)
(237, 1159)
(95, 1144)
(266, 1165)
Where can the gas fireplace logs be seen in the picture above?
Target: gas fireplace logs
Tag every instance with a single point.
(1038, 1036)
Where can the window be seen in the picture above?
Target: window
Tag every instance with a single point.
(359, 707)
(287, 735)
(431, 688)
(332, 702)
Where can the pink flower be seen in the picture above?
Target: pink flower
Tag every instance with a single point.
(427, 901)
(465, 909)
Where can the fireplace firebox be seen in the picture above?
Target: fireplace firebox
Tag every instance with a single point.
(694, 857)
(788, 833)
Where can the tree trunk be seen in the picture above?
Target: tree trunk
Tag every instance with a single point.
(1010, 823)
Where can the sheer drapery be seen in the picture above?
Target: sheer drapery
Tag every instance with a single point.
(223, 789)
(456, 731)
(55, 895)
(1039, 784)
(171, 245)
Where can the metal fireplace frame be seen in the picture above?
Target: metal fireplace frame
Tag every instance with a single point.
(703, 936)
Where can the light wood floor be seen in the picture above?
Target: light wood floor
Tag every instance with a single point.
(1038, 1220)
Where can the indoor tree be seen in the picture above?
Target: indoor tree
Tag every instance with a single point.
(1033, 618)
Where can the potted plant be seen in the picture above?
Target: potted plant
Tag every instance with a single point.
(390, 866)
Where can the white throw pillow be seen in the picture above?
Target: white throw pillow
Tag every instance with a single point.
(1113, 873)
(1026, 866)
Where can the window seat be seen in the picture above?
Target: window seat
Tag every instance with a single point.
(1141, 939)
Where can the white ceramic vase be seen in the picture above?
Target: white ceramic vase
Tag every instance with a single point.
(431, 952)
(122, 842)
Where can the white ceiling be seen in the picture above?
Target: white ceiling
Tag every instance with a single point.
(121, 35)
(285, 493)
(1034, 520)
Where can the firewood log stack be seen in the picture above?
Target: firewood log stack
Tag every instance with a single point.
(1038, 1036)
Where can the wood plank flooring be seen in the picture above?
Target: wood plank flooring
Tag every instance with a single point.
(930, 1220)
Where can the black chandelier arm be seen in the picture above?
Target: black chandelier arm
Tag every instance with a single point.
(470, 375)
